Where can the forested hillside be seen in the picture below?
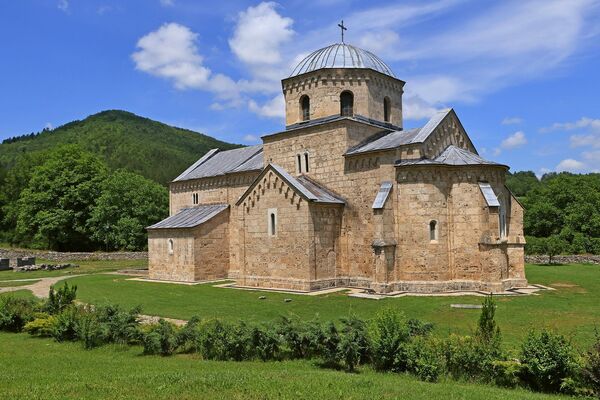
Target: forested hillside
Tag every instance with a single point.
(562, 211)
(122, 140)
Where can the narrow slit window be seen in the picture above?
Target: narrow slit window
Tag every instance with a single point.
(299, 158)
(305, 162)
(272, 223)
(170, 246)
(433, 230)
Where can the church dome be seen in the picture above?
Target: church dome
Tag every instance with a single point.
(341, 55)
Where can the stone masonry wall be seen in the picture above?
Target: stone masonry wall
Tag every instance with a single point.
(285, 259)
(178, 265)
(325, 86)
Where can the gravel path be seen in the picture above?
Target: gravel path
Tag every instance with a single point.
(40, 288)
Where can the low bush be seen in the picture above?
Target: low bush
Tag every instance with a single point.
(65, 326)
(591, 367)
(214, 340)
(506, 373)
(42, 325)
(267, 343)
(60, 299)
(90, 331)
(119, 326)
(353, 348)
(16, 312)
(161, 339)
(469, 358)
(301, 339)
(388, 333)
(329, 346)
(548, 359)
(188, 337)
(423, 357)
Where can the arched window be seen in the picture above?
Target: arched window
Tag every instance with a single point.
(347, 104)
(433, 230)
(387, 108)
(170, 246)
(305, 108)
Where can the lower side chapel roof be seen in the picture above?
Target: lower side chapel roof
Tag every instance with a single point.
(190, 217)
(452, 156)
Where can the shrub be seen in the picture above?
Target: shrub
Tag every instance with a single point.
(591, 367)
(416, 327)
(240, 342)
(161, 339)
(90, 331)
(301, 339)
(488, 332)
(65, 326)
(353, 348)
(188, 337)
(42, 325)
(329, 346)
(424, 359)
(388, 333)
(215, 340)
(506, 373)
(267, 343)
(548, 359)
(468, 358)
(59, 299)
(15, 313)
(119, 326)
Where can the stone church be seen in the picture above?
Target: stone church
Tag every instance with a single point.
(343, 196)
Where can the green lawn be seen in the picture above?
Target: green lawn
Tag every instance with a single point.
(17, 283)
(573, 309)
(43, 369)
(85, 267)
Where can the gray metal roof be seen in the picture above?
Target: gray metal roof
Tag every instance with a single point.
(391, 140)
(488, 193)
(190, 217)
(382, 195)
(341, 55)
(332, 118)
(303, 185)
(321, 193)
(453, 155)
(216, 163)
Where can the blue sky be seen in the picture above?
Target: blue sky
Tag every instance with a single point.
(522, 75)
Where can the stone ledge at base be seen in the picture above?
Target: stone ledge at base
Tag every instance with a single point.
(382, 288)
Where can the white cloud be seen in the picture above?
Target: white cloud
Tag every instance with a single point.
(514, 141)
(415, 108)
(167, 3)
(171, 53)
(274, 108)
(259, 34)
(582, 123)
(512, 121)
(48, 126)
(250, 138)
(570, 165)
(63, 5)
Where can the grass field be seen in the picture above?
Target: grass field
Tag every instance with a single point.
(43, 369)
(85, 267)
(573, 309)
(17, 283)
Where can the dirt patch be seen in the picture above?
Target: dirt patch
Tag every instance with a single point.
(568, 286)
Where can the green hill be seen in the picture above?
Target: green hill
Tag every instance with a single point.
(124, 140)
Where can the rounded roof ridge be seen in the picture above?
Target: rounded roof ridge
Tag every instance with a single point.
(341, 55)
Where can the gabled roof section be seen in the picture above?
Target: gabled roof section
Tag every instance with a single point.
(391, 140)
(217, 163)
(191, 217)
(303, 185)
(451, 156)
